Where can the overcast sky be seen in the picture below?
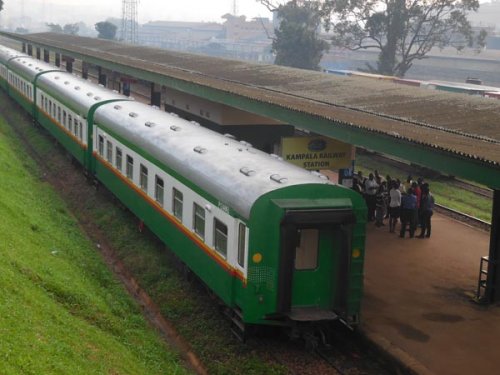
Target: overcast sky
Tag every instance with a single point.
(92, 11)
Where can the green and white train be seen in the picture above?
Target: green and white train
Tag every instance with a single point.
(277, 244)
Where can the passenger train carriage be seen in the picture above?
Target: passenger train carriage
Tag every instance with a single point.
(277, 244)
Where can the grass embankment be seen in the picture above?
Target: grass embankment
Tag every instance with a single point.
(61, 310)
(444, 193)
(195, 314)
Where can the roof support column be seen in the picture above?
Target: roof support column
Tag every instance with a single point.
(102, 78)
(493, 280)
(85, 70)
(30, 49)
(69, 63)
(58, 60)
(155, 95)
(38, 53)
(46, 55)
(24, 47)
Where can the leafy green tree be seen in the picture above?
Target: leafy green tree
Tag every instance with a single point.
(1, 5)
(296, 42)
(402, 30)
(54, 28)
(106, 30)
(71, 28)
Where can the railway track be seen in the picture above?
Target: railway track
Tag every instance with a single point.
(463, 217)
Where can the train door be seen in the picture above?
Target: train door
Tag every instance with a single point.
(314, 264)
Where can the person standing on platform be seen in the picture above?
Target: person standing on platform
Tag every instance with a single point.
(371, 196)
(408, 213)
(380, 205)
(427, 209)
(418, 192)
(394, 206)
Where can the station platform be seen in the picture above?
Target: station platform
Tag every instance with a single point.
(418, 299)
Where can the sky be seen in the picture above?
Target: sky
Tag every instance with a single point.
(92, 11)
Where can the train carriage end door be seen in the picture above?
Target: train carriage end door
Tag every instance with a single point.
(314, 263)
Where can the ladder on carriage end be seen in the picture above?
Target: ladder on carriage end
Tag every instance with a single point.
(482, 281)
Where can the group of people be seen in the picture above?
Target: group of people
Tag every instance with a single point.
(410, 201)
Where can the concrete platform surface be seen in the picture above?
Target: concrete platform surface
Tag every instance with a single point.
(418, 299)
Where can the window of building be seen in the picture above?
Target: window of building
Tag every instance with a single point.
(199, 220)
(220, 237)
(130, 167)
(306, 253)
(242, 232)
(177, 204)
(109, 151)
(101, 145)
(118, 159)
(144, 178)
(159, 188)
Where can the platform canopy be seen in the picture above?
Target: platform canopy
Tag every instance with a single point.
(452, 133)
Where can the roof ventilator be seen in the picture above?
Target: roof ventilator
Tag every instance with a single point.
(89, 94)
(247, 171)
(117, 107)
(175, 128)
(277, 178)
(97, 98)
(230, 136)
(245, 143)
(77, 88)
(200, 150)
(195, 123)
(133, 114)
(56, 77)
(66, 82)
(149, 124)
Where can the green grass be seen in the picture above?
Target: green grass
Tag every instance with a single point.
(444, 193)
(61, 310)
(192, 310)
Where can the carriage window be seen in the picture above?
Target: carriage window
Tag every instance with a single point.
(64, 118)
(59, 114)
(220, 237)
(306, 253)
(199, 220)
(242, 231)
(130, 167)
(177, 204)
(159, 187)
(118, 159)
(70, 121)
(80, 129)
(101, 145)
(109, 151)
(144, 178)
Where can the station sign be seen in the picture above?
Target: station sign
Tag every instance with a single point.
(314, 153)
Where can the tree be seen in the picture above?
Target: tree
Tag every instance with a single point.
(71, 28)
(1, 5)
(106, 30)
(402, 30)
(55, 28)
(296, 42)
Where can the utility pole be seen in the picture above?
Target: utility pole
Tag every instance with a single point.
(235, 8)
(130, 24)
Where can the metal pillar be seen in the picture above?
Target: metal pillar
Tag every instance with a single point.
(155, 95)
(58, 60)
(85, 70)
(38, 53)
(102, 78)
(24, 47)
(126, 88)
(69, 64)
(30, 49)
(493, 280)
(46, 55)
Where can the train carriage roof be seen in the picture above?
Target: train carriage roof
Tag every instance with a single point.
(233, 172)
(75, 92)
(7, 53)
